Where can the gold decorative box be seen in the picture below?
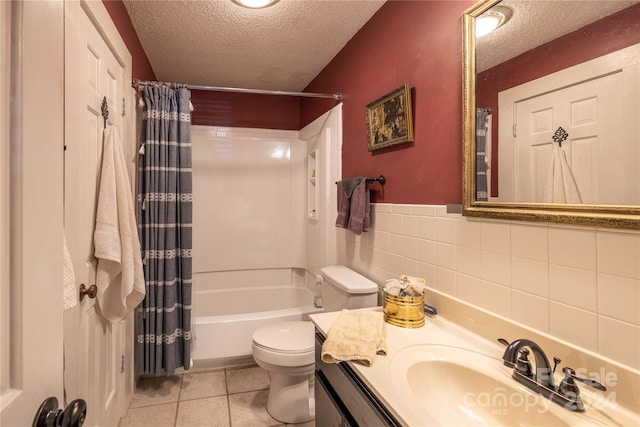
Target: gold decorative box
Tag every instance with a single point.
(407, 312)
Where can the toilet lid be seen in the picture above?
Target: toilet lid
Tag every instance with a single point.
(286, 337)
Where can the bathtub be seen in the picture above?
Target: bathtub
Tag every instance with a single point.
(225, 319)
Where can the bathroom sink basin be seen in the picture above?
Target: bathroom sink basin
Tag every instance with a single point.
(446, 385)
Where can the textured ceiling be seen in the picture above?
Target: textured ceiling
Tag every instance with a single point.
(535, 22)
(218, 43)
(283, 47)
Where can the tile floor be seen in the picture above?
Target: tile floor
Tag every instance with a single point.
(233, 397)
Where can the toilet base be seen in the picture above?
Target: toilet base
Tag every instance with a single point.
(291, 398)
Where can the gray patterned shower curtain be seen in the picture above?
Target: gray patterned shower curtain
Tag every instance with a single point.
(482, 193)
(164, 226)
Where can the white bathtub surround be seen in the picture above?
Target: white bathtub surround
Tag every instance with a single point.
(242, 180)
(219, 280)
(324, 153)
(255, 262)
(580, 285)
(245, 245)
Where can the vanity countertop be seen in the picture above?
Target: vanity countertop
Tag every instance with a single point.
(439, 331)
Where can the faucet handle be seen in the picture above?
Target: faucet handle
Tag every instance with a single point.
(570, 375)
(523, 365)
(503, 342)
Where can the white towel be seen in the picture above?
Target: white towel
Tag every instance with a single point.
(561, 186)
(357, 335)
(70, 292)
(119, 275)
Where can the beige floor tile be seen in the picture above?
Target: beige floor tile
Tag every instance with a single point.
(156, 391)
(156, 416)
(250, 410)
(209, 412)
(203, 384)
(247, 379)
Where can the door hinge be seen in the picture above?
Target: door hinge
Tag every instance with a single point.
(515, 125)
(122, 364)
(124, 105)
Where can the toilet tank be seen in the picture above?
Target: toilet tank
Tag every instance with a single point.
(344, 288)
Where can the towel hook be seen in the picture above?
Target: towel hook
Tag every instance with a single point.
(560, 136)
(105, 111)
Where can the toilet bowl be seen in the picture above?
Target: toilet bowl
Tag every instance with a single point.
(286, 351)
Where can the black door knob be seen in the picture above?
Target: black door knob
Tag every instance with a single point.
(49, 415)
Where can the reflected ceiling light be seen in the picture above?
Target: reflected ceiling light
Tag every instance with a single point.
(489, 21)
(255, 4)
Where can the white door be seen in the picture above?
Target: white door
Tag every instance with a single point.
(585, 100)
(591, 114)
(96, 350)
(31, 188)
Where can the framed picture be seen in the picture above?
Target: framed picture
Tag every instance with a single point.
(389, 119)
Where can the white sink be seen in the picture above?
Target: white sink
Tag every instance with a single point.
(452, 386)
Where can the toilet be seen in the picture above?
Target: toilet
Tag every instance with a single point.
(286, 349)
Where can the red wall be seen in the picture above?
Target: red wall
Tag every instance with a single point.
(415, 42)
(245, 110)
(607, 35)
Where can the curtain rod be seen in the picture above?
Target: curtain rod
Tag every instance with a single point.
(336, 96)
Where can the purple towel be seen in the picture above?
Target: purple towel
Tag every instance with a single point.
(343, 208)
(359, 209)
(348, 185)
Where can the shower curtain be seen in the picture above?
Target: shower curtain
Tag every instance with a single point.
(164, 225)
(482, 193)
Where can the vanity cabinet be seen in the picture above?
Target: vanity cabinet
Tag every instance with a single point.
(328, 407)
(342, 398)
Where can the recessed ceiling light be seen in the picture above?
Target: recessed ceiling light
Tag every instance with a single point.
(255, 4)
(494, 18)
(488, 22)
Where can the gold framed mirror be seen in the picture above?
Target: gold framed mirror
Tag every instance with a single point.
(611, 199)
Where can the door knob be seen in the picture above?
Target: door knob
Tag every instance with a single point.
(49, 415)
(91, 292)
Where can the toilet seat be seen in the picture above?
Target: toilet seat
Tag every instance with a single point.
(294, 337)
(285, 344)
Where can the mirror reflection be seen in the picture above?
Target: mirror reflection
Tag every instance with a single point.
(558, 103)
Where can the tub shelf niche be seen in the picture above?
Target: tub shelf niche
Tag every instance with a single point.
(312, 193)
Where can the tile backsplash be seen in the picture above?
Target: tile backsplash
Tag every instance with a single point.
(578, 284)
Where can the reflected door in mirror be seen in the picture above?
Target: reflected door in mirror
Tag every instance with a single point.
(598, 146)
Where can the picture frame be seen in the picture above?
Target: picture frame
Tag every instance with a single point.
(389, 119)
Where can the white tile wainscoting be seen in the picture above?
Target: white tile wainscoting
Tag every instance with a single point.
(578, 284)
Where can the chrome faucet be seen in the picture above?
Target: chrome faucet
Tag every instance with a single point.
(567, 394)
